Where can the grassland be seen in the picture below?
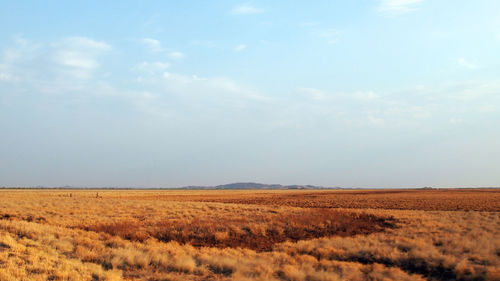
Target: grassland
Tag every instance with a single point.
(250, 235)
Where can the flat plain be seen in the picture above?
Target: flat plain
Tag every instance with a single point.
(54, 234)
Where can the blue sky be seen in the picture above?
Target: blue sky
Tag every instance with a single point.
(390, 93)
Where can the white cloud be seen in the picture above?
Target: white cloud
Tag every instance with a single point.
(240, 47)
(79, 55)
(398, 6)
(366, 95)
(79, 52)
(455, 120)
(472, 91)
(418, 107)
(155, 46)
(376, 121)
(331, 35)
(176, 55)
(218, 86)
(204, 43)
(421, 112)
(328, 33)
(487, 108)
(75, 59)
(152, 68)
(5, 74)
(23, 50)
(246, 9)
(309, 24)
(174, 95)
(67, 65)
(313, 93)
(152, 44)
(83, 43)
(181, 79)
(6, 77)
(467, 64)
(165, 91)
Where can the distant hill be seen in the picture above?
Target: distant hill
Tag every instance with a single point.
(254, 185)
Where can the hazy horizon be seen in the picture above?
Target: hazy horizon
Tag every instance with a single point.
(318, 187)
(390, 93)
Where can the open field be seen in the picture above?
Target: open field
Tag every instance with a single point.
(250, 235)
(420, 199)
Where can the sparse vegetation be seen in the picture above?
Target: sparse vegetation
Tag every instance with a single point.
(280, 235)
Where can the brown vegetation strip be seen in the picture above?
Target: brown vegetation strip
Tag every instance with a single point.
(411, 264)
(257, 233)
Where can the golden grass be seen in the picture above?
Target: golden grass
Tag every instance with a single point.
(50, 235)
(428, 200)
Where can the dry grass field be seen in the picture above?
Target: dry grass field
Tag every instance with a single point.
(250, 235)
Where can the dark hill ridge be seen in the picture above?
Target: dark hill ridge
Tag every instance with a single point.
(254, 185)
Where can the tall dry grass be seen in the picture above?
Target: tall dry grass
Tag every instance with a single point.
(46, 235)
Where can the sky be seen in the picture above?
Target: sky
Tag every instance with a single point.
(367, 93)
